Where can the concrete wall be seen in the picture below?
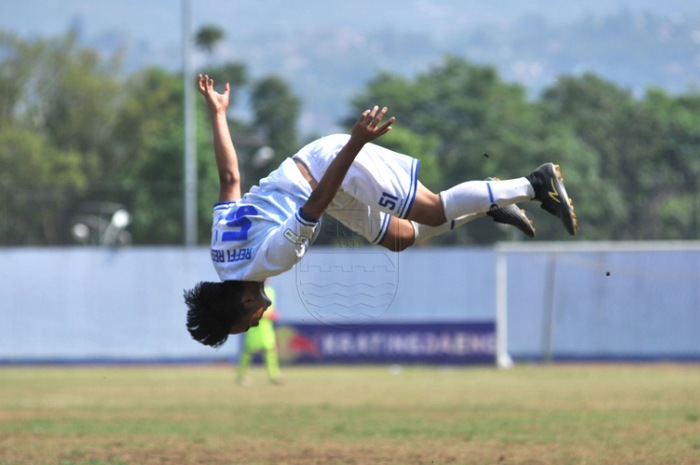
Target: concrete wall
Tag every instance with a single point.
(87, 304)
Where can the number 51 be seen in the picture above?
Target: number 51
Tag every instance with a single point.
(388, 200)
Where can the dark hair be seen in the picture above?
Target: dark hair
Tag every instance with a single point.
(213, 309)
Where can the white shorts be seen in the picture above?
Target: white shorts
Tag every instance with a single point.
(372, 224)
(379, 184)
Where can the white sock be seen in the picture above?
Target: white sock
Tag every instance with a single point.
(478, 196)
(422, 232)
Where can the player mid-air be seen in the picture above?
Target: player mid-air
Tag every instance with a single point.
(372, 190)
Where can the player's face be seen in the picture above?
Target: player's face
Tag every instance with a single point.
(256, 301)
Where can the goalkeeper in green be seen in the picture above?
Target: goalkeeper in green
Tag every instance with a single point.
(261, 338)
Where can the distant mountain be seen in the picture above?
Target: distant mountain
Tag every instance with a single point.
(157, 22)
(327, 66)
(634, 50)
(328, 50)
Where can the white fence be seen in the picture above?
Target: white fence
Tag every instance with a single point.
(89, 304)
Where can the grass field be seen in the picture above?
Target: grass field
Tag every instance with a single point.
(577, 414)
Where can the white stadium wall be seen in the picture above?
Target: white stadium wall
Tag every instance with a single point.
(101, 305)
(604, 300)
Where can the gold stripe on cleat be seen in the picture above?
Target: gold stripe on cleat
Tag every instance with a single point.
(554, 194)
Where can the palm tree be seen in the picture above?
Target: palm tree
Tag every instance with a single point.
(207, 38)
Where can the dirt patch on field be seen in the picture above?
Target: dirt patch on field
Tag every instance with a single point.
(45, 448)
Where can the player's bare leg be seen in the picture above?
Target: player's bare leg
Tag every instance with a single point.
(399, 236)
(427, 208)
(402, 234)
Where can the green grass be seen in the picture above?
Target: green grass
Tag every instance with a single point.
(577, 414)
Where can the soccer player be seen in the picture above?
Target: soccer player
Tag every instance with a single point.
(261, 338)
(372, 190)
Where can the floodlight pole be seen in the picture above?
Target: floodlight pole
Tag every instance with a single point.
(190, 185)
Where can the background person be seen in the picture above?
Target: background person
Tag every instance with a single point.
(261, 338)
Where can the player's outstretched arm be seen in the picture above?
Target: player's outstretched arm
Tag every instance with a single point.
(365, 130)
(226, 160)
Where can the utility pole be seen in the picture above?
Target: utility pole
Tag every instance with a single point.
(190, 185)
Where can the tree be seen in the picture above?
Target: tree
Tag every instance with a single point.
(233, 73)
(466, 111)
(632, 166)
(679, 118)
(57, 101)
(276, 111)
(72, 132)
(149, 139)
(37, 184)
(624, 137)
(208, 37)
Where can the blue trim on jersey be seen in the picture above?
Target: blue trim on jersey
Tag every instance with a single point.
(381, 228)
(310, 224)
(399, 212)
(452, 225)
(490, 193)
(385, 230)
(410, 187)
(306, 218)
(414, 188)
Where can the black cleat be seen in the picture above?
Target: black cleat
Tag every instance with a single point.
(513, 216)
(548, 183)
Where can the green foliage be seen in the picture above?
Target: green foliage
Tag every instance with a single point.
(28, 160)
(149, 142)
(631, 165)
(72, 131)
(647, 154)
(208, 36)
(276, 114)
(476, 122)
(232, 73)
(36, 182)
(74, 134)
(57, 103)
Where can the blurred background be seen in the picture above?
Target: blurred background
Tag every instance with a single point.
(92, 168)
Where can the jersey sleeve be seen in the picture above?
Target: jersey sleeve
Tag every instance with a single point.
(286, 245)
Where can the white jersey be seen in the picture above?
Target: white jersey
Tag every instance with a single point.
(263, 234)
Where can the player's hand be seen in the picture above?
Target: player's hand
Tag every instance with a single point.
(217, 102)
(367, 127)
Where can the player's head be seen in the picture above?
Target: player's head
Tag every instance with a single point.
(219, 309)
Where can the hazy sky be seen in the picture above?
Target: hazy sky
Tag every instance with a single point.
(158, 21)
